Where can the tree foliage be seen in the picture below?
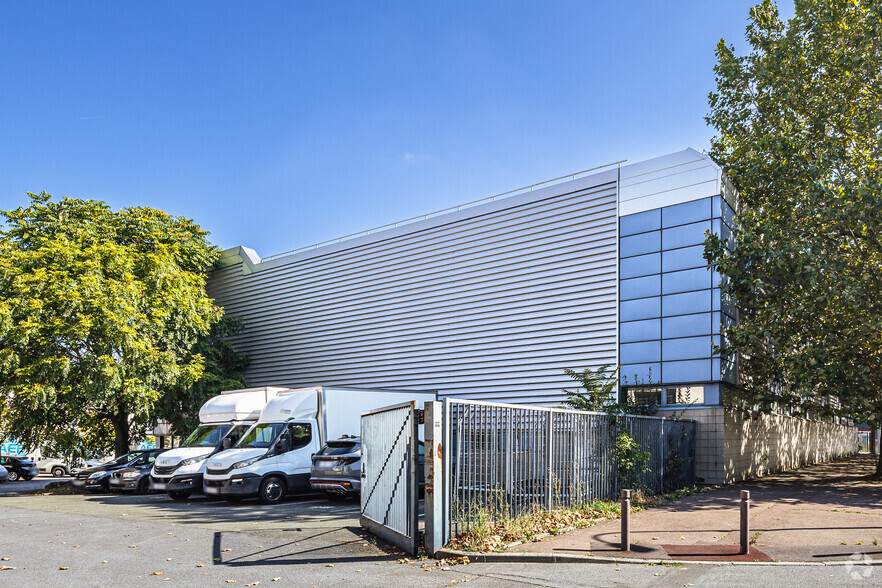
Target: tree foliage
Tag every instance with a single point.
(99, 312)
(223, 371)
(798, 123)
(600, 388)
(600, 393)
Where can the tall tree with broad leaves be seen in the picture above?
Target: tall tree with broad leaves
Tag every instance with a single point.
(99, 315)
(799, 133)
(223, 370)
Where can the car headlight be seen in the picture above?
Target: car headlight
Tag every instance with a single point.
(190, 461)
(131, 474)
(245, 463)
(95, 475)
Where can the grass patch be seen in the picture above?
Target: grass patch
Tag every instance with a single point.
(493, 528)
(59, 488)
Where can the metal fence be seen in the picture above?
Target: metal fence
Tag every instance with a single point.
(513, 458)
(389, 503)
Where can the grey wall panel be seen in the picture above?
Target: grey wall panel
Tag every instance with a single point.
(491, 304)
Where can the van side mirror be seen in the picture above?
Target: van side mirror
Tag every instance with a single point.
(284, 445)
(226, 443)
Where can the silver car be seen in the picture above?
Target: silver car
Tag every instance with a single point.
(336, 468)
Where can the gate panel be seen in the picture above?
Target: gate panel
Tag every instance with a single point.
(389, 500)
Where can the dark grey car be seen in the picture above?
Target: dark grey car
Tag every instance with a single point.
(336, 468)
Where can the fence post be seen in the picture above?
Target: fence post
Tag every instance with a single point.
(745, 522)
(626, 520)
(434, 478)
(663, 456)
(549, 437)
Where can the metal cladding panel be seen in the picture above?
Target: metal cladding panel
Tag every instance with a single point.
(671, 179)
(486, 303)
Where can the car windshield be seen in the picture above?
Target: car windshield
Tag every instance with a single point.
(123, 459)
(261, 435)
(206, 436)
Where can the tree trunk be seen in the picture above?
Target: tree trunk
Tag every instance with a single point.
(121, 433)
(879, 466)
(874, 445)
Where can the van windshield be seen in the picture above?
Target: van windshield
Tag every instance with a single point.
(206, 436)
(261, 435)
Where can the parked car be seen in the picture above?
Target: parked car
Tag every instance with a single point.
(336, 468)
(97, 478)
(132, 479)
(19, 468)
(55, 466)
(4, 475)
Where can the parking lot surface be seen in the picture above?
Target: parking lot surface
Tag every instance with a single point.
(113, 540)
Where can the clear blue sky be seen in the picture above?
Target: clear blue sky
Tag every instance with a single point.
(279, 124)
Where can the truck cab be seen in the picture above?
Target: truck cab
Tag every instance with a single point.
(223, 421)
(273, 458)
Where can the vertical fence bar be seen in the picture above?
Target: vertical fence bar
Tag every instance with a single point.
(548, 456)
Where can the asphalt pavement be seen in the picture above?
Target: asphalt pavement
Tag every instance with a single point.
(26, 486)
(113, 540)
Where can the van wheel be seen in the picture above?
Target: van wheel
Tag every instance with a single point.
(179, 495)
(272, 490)
(59, 472)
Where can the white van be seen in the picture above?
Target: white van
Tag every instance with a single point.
(274, 458)
(222, 421)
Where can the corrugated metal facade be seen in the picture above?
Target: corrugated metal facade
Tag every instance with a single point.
(492, 302)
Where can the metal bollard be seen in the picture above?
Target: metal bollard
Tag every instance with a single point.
(626, 520)
(745, 522)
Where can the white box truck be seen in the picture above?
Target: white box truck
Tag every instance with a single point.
(222, 421)
(274, 458)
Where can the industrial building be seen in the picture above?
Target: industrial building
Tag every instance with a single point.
(493, 300)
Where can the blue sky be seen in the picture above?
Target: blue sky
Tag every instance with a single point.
(279, 124)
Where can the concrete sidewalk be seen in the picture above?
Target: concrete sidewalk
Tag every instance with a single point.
(819, 513)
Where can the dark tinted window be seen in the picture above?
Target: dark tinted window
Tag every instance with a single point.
(338, 448)
(236, 433)
(298, 435)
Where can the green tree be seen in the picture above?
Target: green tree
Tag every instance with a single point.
(223, 371)
(99, 312)
(600, 388)
(799, 133)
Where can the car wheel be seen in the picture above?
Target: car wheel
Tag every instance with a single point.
(179, 495)
(59, 472)
(13, 475)
(272, 490)
(144, 485)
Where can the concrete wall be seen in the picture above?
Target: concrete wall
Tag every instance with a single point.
(731, 446)
(776, 443)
